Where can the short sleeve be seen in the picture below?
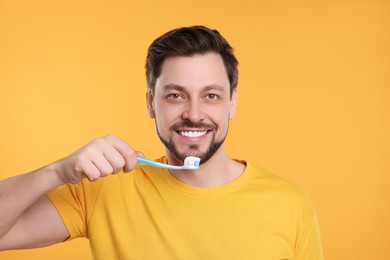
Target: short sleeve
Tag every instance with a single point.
(309, 246)
(75, 204)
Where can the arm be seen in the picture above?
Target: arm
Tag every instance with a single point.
(24, 209)
(28, 218)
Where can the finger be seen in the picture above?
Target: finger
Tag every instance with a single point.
(103, 166)
(131, 160)
(90, 171)
(140, 154)
(105, 156)
(111, 153)
(95, 154)
(115, 159)
(129, 167)
(126, 151)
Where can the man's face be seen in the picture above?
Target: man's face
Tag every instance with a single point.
(192, 105)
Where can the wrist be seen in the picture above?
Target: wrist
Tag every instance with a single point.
(52, 175)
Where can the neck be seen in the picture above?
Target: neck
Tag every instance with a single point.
(217, 171)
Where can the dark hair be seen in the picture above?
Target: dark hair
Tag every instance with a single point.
(188, 41)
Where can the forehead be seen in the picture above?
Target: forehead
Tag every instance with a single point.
(193, 71)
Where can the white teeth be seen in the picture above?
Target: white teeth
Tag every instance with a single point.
(192, 134)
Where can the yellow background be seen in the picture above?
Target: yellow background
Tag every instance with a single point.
(313, 97)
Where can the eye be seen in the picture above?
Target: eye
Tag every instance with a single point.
(174, 96)
(212, 96)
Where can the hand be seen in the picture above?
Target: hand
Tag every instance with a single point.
(101, 157)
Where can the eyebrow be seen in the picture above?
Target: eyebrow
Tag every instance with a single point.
(173, 87)
(181, 88)
(215, 87)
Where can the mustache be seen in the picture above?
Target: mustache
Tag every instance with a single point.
(188, 123)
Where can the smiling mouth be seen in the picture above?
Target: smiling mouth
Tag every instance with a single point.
(192, 134)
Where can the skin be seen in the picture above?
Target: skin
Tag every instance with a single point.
(33, 221)
(190, 89)
(195, 89)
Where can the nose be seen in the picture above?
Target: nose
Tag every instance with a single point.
(193, 111)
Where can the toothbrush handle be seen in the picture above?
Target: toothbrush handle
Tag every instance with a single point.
(156, 164)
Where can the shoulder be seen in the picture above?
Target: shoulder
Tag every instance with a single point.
(282, 189)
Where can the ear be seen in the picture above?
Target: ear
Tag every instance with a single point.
(149, 103)
(233, 104)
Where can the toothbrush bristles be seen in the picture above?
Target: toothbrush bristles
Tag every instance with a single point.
(192, 161)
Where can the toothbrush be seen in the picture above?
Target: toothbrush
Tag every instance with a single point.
(190, 163)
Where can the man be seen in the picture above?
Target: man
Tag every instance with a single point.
(229, 209)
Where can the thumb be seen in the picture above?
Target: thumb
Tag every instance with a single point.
(128, 168)
(139, 154)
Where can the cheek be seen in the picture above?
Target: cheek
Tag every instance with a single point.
(221, 114)
(221, 121)
(164, 118)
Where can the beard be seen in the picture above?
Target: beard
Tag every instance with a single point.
(193, 149)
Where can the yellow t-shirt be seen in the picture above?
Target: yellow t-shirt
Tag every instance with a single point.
(148, 214)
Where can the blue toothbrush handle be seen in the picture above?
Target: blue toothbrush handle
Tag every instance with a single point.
(157, 164)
